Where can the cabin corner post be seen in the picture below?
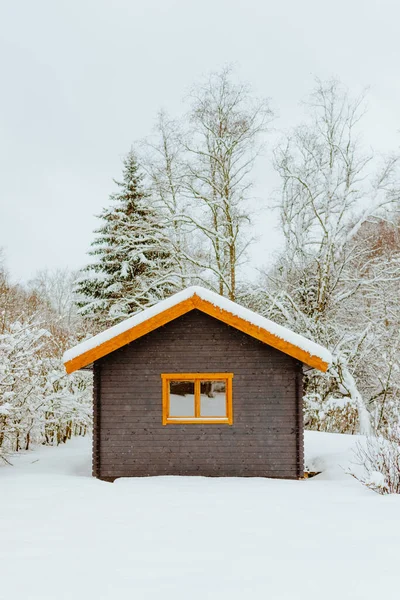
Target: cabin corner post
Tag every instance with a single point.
(300, 421)
(96, 419)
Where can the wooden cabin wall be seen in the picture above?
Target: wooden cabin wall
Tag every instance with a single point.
(265, 440)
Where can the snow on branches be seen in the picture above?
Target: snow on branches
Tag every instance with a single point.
(379, 459)
(39, 404)
(332, 283)
(133, 266)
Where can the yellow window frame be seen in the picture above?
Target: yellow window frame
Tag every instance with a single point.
(197, 378)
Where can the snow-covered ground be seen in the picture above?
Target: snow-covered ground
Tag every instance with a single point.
(65, 535)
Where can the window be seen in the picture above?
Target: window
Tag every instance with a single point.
(197, 398)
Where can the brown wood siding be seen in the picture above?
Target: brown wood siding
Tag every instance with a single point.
(300, 420)
(266, 438)
(96, 420)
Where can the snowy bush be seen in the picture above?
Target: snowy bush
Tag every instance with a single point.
(38, 402)
(68, 404)
(379, 458)
(332, 414)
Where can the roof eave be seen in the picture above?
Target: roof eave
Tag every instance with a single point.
(181, 308)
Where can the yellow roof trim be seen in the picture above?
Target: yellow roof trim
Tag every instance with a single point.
(181, 308)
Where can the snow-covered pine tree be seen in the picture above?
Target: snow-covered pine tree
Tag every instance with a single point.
(133, 266)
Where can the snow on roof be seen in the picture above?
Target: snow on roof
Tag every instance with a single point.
(219, 302)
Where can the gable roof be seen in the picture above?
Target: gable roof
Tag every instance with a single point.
(212, 304)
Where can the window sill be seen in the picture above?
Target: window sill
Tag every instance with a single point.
(199, 421)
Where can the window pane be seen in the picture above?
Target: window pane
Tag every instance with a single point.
(181, 398)
(213, 399)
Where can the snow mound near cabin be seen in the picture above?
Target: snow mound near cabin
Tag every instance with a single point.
(330, 454)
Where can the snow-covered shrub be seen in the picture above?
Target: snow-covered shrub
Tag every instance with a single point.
(39, 403)
(68, 403)
(21, 383)
(332, 414)
(379, 459)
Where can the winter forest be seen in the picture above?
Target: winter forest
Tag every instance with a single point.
(183, 213)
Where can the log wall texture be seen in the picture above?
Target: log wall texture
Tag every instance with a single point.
(265, 440)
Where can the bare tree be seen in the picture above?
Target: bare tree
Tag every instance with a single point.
(163, 160)
(56, 288)
(221, 146)
(329, 191)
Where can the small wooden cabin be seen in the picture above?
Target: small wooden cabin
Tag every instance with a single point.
(197, 385)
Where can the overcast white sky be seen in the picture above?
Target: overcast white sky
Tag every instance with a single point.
(81, 80)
